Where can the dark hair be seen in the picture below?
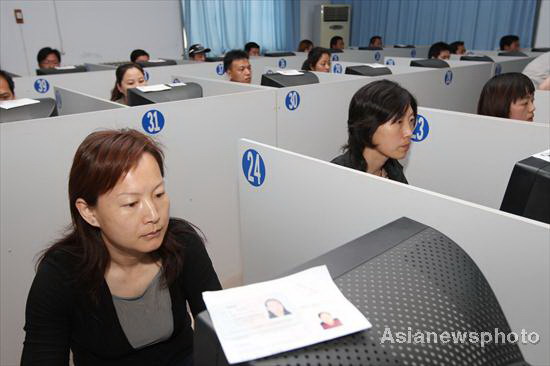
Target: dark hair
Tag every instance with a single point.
(374, 38)
(44, 52)
(9, 80)
(233, 55)
(371, 106)
(120, 71)
(508, 40)
(437, 48)
(313, 57)
(304, 45)
(99, 162)
(137, 53)
(334, 40)
(501, 91)
(251, 45)
(454, 46)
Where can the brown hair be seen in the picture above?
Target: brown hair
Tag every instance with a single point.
(101, 160)
(120, 71)
(501, 91)
(304, 45)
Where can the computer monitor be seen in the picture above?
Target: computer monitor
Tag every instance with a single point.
(62, 70)
(403, 46)
(366, 70)
(540, 49)
(513, 54)
(279, 54)
(477, 58)
(214, 59)
(370, 48)
(46, 108)
(155, 63)
(12, 75)
(183, 92)
(335, 50)
(404, 274)
(528, 190)
(278, 80)
(432, 62)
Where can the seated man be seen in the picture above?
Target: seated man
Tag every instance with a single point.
(440, 50)
(457, 48)
(7, 88)
(139, 56)
(509, 43)
(337, 43)
(48, 58)
(197, 52)
(237, 66)
(376, 41)
(252, 48)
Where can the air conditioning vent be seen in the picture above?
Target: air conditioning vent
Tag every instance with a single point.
(335, 14)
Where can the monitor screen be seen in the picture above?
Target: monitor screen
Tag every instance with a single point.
(278, 80)
(370, 48)
(62, 70)
(513, 54)
(366, 70)
(432, 62)
(184, 91)
(46, 108)
(528, 190)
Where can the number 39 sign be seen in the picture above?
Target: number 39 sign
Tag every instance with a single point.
(152, 121)
(253, 167)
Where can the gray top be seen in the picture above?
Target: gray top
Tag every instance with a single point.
(146, 319)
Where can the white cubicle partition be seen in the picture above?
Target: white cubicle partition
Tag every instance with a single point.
(306, 207)
(72, 102)
(353, 55)
(200, 142)
(468, 156)
(542, 106)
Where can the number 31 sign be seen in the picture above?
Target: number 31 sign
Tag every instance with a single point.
(152, 121)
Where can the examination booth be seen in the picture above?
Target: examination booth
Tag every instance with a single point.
(200, 138)
(425, 253)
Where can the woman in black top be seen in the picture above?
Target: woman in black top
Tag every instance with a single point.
(382, 116)
(114, 290)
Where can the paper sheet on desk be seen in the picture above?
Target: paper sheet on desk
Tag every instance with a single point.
(9, 104)
(270, 317)
(290, 72)
(152, 88)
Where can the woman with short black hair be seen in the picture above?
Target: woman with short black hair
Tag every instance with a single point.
(318, 59)
(510, 95)
(382, 117)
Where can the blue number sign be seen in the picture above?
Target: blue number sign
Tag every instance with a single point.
(42, 86)
(390, 62)
(152, 121)
(377, 56)
(421, 130)
(448, 77)
(292, 100)
(337, 68)
(335, 58)
(219, 69)
(253, 167)
(282, 63)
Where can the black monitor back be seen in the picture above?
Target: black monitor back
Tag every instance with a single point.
(370, 48)
(540, 49)
(12, 75)
(159, 63)
(335, 50)
(431, 62)
(214, 59)
(366, 70)
(513, 54)
(277, 80)
(279, 54)
(77, 68)
(187, 91)
(46, 108)
(528, 190)
(403, 46)
(392, 275)
(476, 58)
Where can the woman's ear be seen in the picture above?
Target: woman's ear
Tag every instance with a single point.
(87, 212)
(120, 89)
